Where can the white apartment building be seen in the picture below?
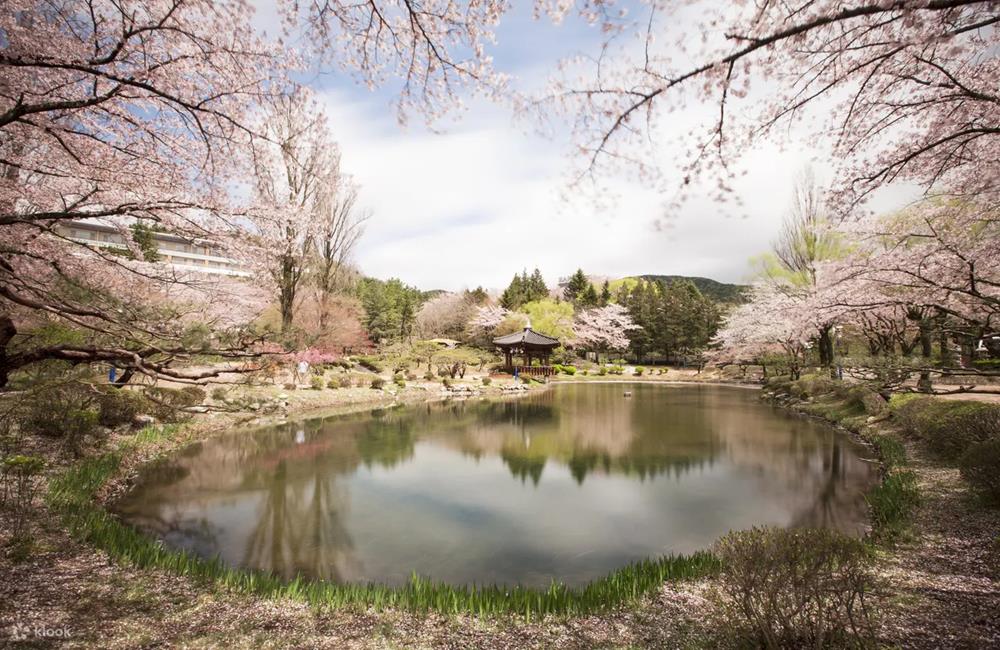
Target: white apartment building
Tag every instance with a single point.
(181, 253)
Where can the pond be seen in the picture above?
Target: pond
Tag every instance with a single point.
(565, 484)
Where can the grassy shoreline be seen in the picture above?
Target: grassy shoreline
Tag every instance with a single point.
(75, 494)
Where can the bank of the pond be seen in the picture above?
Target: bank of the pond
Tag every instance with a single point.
(80, 493)
(80, 581)
(938, 542)
(936, 570)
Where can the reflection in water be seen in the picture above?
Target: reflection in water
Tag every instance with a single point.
(567, 484)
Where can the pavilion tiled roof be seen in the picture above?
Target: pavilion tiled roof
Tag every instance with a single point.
(527, 336)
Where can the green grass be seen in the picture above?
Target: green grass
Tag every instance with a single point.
(890, 451)
(71, 494)
(892, 503)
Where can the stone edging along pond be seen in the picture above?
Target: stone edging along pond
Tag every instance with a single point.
(75, 493)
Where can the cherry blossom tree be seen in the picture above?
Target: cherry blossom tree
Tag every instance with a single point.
(930, 270)
(446, 315)
(771, 323)
(149, 112)
(939, 255)
(927, 273)
(130, 112)
(436, 48)
(340, 227)
(604, 329)
(487, 318)
(806, 240)
(902, 90)
(296, 176)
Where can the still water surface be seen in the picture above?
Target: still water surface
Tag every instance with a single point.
(566, 484)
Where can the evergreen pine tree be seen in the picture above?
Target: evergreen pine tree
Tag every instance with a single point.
(513, 296)
(577, 285)
(536, 289)
(605, 293)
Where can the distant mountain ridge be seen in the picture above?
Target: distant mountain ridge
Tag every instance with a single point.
(718, 291)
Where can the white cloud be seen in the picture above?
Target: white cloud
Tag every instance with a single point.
(479, 202)
(476, 204)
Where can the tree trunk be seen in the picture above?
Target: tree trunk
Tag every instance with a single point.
(286, 292)
(825, 346)
(7, 332)
(324, 310)
(926, 343)
(926, 350)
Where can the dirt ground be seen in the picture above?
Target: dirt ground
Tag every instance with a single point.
(946, 579)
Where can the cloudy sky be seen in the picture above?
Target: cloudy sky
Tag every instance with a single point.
(481, 197)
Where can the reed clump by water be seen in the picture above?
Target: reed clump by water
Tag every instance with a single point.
(72, 493)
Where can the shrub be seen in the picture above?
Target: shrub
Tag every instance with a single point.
(316, 382)
(980, 465)
(46, 412)
(949, 427)
(814, 385)
(377, 383)
(399, 380)
(68, 411)
(796, 588)
(556, 367)
(487, 381)
(19, 487)
(219, 394)
(117, 406)
(639, 370)
(570, 370)
(168, 404)
(856, 398)
(617, 369)
(194, 394)
(369, 363)
(336, 383)
(602, 371)
(447, 382)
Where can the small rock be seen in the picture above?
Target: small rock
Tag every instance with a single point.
(143, 420)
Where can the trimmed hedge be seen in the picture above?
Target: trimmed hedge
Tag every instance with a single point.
(980, 465)
(949, 427)
(370, 363)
